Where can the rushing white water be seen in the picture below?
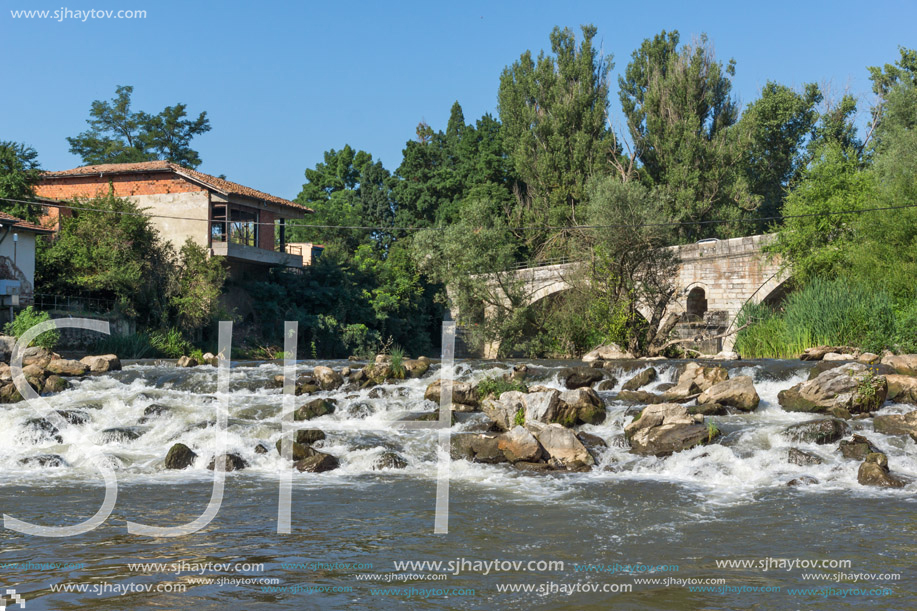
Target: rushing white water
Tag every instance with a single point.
(109, 410)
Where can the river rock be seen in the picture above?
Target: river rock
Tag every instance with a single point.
(503, 410)
(795, 456)
(67, 367)
(593, 443)
(120, 434)
(9, 394)
(606, 385)
(578, 377)
(317, 462)
(231, 462)
(180, 456)
(304, 386)
(666, 428)
(309, 436)
(261, 448)
(738, 392)
(857, 448)
(42, 429)
(641, 379)
(186, 361)
(43, 460)
(389, 460)
(869, 358)
(416, 368)
(607, 352)
(463, 393)
(837, 356)
(54, 384)
(896, 424)
(477, 447)
(902, 389)
(542, 406)
(707, 409)
(315, 409)
(640, 396)
(904, 364)
(299, 451)
(818, 352)
(821, 431)
(75, 417)
(102, 363)
(874, 472)
(519, 444)
(36, 355)
(580, 406)
(695, 379)
(327, 378)
(852, 386)
(562, 445)
(805, 480)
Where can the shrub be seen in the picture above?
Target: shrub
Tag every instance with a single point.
(397, 355)
(28, 318)
(497, 386)
(170, 343)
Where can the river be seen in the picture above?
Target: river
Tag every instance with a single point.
(628, 520)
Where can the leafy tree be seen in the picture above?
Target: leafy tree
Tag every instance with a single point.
(118, 134)
(679, 109)
(198, 285)
(777, 125)
(554, 112)
(19, 173)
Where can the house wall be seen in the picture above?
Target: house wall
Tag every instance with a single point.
(17, 261)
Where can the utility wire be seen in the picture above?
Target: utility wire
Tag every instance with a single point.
(522, 228)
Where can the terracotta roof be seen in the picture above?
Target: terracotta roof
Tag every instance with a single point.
(22, 225)
(217, 184)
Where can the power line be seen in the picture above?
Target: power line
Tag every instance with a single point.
(522, 228)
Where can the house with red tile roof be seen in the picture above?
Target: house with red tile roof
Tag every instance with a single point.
(241, 224)
(17, 262)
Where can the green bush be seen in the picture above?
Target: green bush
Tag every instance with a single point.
(825, 312)
(397, 354)
(498, 386)
(28, 318)
(135, 346)
(171, 343)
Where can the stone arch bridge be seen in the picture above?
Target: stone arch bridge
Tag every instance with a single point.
(715, 279)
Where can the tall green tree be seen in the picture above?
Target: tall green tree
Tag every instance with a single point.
(118, 134)
(777, 125)
(554, 111)
(19, 173)
(680, 111)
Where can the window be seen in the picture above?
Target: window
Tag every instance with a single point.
(236, 225)
(697, 304)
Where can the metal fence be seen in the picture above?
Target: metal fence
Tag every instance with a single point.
(72, 303)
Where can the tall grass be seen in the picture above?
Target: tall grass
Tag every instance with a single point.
(169, 344)
(825, 312)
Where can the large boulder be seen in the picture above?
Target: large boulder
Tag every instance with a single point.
(298, 451)
(317, 462)
(874, 472)
(66, 367)
(738, 392)
(562, 446)
(309, 436)
(327, 378)
(180, 456)
(817, 353)
(315, 409)
(897, 424)
(477, 447)
(230, 462)
(389, 460)
(853, 387)
(695, 379)
(857, 448)
(519, 445)
(640, 396)
(186, 361)
(580, 406)
(53, 384)
(463, 393)
(416, 368)
(578, 377)
(666, 428)
(607, 352)
(821, 431)
(102, 363)
(904, 364)
(541, 406)
(641, 379)
(503, 410)
(902, 389)
(802, 458)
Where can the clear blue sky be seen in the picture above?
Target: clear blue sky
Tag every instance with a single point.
(284, 82)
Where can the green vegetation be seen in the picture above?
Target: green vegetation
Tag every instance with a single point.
(496, 386)
(28, 318)
(519, 417)
(713, 431)
(396, 353)
(547, 177)
(117, 134)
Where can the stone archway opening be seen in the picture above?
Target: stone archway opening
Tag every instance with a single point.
(696, 305)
